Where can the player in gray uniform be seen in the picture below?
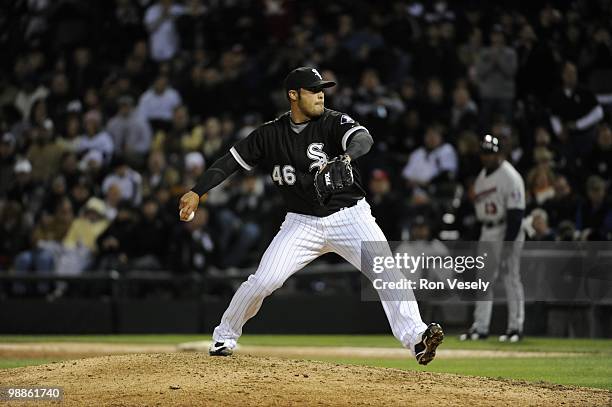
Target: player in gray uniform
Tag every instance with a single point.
(296, 149)
(500, 206)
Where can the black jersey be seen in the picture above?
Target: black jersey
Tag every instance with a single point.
(291, 154)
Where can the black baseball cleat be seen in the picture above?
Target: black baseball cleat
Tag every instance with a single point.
(473, 335)
(425, 350)
(219, 349)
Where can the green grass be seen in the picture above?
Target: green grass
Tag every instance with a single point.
(11, 363)
(593, 369)
(589, 371)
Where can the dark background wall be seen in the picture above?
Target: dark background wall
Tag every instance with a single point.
(280, 314)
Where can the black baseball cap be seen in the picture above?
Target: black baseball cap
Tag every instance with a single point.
(307, 78)
(490, 145)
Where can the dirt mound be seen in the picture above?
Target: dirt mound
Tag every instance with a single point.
(197, 379)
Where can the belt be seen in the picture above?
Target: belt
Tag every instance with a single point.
(494, 223)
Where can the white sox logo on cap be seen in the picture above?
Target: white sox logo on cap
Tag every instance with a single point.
(317, 73)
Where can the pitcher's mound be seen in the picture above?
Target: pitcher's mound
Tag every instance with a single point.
(195, 379)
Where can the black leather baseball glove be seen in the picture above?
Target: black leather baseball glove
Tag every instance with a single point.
(335, 176)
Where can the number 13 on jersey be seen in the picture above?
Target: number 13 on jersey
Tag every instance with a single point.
(284, 176)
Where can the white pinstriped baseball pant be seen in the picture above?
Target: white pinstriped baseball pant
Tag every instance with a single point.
(302, 239)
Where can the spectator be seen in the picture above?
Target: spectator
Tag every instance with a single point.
(599, 160)
(386, 207)
(562, 206)
(232, 66)
(7, 162)
(575, 111)
(91, 100)
(163, 36)
(39, 114)
(138, 71)
(69, 168)
(54, 195)
(464, 112)
(46, 246)
(191, 245)
(130, 132)
(596, 58)
(435, 161)
(203, 86)
(214, 144)
(541, 142)
(95, 138)
(59, 97)
(69, 139)
(167, 205)
(112, 199)
(157, 104)
(128, 180)
(13, 224)
(434, 107)
(539, 225)
(194, 167)
(495, 68)
(468, 149)
(45, 153)
(116, 245)
(408, 93)
(594, 215)
(540, 185)
(26, 190)
(406, 133)
(574, 40)
(126, 27)
(534, 81)
(92, 166)
(151, 237)
(435, 56)
(31, 91)
(80, 192)
(83, 72)
(79, 244)
(158, 174)
(179, 133)
(373, 101)
(550, 24)
(566, 231)
(238, 229)
(469, 51)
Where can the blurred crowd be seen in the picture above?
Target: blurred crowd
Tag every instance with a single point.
(110, 110)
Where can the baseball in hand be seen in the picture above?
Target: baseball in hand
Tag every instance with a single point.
(190, 217)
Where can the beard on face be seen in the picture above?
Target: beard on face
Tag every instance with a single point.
(312, 111)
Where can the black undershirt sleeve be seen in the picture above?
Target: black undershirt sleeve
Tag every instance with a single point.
(359, 145)
(514, 219)
(217, 173)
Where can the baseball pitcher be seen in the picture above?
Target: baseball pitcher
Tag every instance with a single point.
(309, 153)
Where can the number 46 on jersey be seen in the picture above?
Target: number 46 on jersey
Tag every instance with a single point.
(284, 176)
